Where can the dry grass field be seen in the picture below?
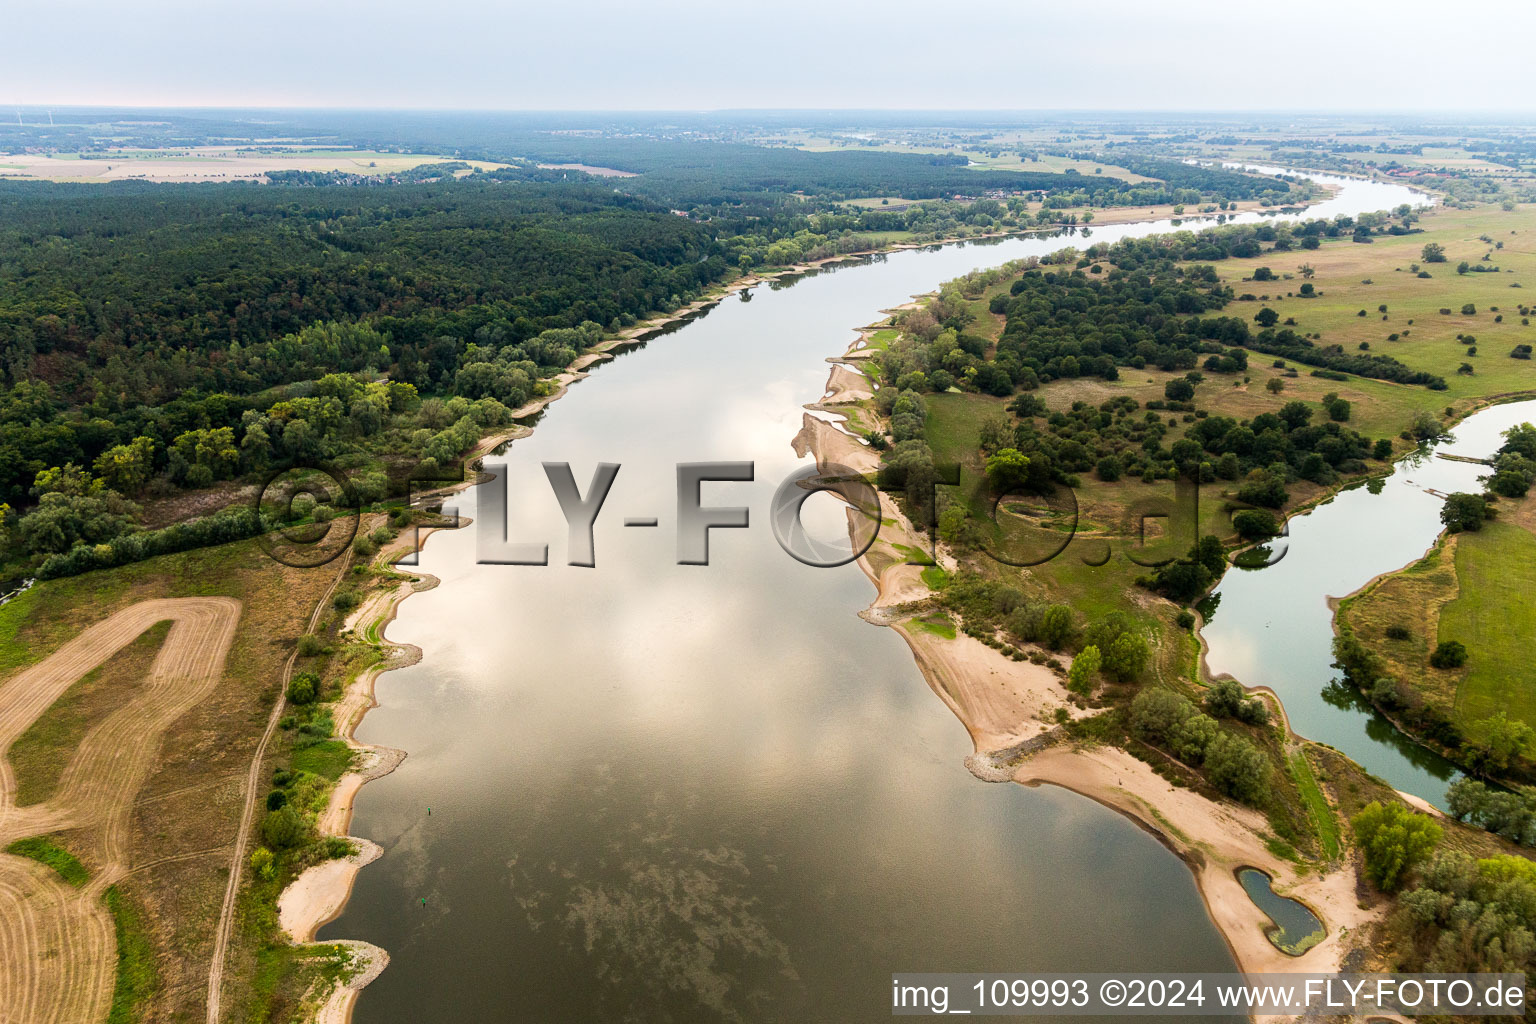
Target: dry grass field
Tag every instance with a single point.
(208, 163)
(126, 744)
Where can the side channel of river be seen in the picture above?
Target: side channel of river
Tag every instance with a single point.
(1273, 626)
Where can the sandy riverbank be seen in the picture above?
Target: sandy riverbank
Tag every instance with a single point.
(1008, 709)
(1001, 702)
(320, 894)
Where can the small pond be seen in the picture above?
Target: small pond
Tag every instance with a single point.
(1296, 928)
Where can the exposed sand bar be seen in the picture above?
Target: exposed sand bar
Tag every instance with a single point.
(1007, 706)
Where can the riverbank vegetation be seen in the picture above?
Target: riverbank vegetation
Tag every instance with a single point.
(1043, 414)
(183, 821)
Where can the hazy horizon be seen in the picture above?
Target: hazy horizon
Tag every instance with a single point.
(682, 55)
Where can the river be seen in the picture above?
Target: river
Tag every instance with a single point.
(692, 793)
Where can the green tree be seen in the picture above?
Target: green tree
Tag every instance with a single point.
(1449, 654)
(1126, 657)
(1084, 671)
(198, 457)
(1463, 511)
(283, 828)
(1236, 767)
(127, 467)
(1157, 713)
(1008, 470)
(1499, 741)
(1262, 487)
(68, 479)
(1210, 553)
(1433, 252)
(262, 865)
(1056, 626)
(1178, 390)
(60, 520)
(1394, 841)
(304, 688)
(1192, 737)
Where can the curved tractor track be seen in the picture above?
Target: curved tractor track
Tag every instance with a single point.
(58, 941)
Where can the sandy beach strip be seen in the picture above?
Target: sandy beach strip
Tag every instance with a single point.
(1005, 707)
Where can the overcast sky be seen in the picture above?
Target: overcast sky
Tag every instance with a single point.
(691, 55)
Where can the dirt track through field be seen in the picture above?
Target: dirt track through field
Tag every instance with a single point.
(57, 942)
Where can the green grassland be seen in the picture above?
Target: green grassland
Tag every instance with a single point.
(1474, 588)
(1342, 269)
(1409, 600)
(46, 851)
(1494, 616)
(1323, 820)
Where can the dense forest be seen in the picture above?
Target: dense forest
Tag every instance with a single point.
(1134, 304)
(124, 317)
(157, 337)
(684, 161)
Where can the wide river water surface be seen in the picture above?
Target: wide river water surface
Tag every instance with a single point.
(696, 793)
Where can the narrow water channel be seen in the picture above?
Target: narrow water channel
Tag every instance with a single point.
(1273, 626)
(697, 793)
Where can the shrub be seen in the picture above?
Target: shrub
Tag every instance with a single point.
(1398, 633)
(282, 829)
(262, 865)
(1255, 524)
(1236, 767)
(304, 688)
(1449, 654)
(311, 645)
